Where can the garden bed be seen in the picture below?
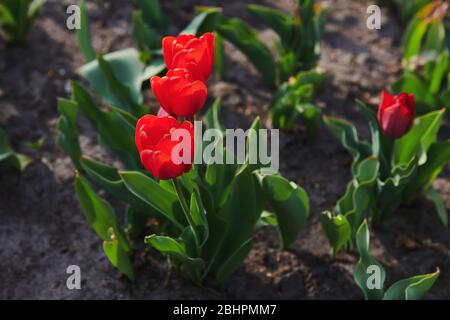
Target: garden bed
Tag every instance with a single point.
(42, 229)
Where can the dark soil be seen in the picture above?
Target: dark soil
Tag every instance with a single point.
(42, 229)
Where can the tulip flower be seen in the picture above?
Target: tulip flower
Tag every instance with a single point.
(396, 114)
(191, 53)
(153, 139)
(178, 93)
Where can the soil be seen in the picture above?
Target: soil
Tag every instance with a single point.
(42, 230)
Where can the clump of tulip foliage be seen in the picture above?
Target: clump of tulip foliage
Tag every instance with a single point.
(16, 18)
(206, 213)
(293, 68)
(401, 161)
(426, 57)
(370, 275)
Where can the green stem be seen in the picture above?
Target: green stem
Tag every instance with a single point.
(183, 203)
(186, 210)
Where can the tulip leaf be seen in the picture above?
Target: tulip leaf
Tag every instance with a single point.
(377, 137)
(341, 226)
(290, 204)
(176, 249)
(153, 194)
(146, 37)
(135, 221)
(218, 177)
(436, 198)
(212, 115)
(113, 134)
(413, 288)
(346, 133)
(413, 38)
(234, 261)
(391, 190)
(7, 154)
(117, 78)
(419, 139)
(118, 257)
(410, 82)
(242, 36)
(337, 230)
(155, 67)
(67, 136)
(84, 34)
(153, 15)
(283, 24)
(218, 56)
(108, 178)
(439, 72)
(16, 18)
(369, 274)
(99, 213)
(240, 214)
(205, 21)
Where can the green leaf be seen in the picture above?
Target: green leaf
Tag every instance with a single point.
(346, 133)
(118, 257)
(413, 288)
(67, 136)
(391, 191)
(16, 18)
(135, 221)
(212, 115)
(413, 38)
(146, 37)
(154, 195)
(84, 34)
(290, 204)
(153, 14)
(108, 178)
(99, 213)
(440, 69)
(117, 78)
(337, 230)
(419, 139)
(435, 37)
(369, 273)
(234, 261)
(205, 21)
(243, 37)
(375, 133)
(240, 214)
(7, 154)
(436, 198)
(437, 157)
(198, 214)
(218, 56)
(155, 67)
(177, 250)
(410, 82)
(112, 132)
(284, 25)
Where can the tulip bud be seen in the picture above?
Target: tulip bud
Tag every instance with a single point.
(396, 114)
(178, 93)
(155, 146)
(189, 52)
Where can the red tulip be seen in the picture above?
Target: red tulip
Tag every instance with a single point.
(155, 146)
(396, 114)
(191, 53)
(178, 93)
